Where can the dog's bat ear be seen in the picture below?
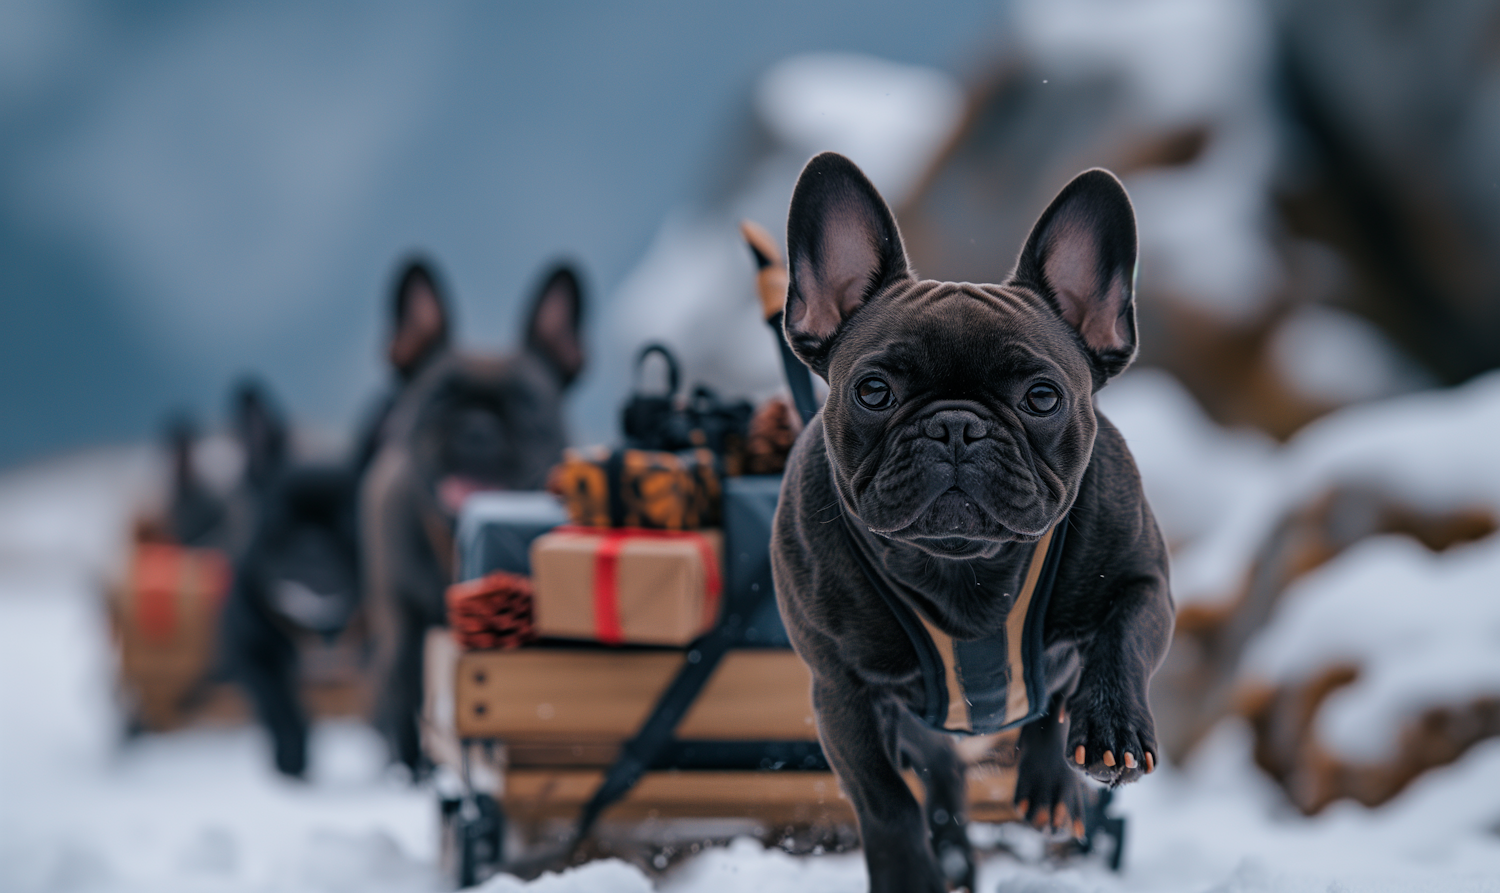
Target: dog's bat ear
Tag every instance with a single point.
(419, 318)
(180, 435)
(1081, 256)
(261, 432)
(555, 321)
(843, 249)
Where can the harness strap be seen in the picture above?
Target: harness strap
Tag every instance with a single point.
(929, 660)
(990, 684)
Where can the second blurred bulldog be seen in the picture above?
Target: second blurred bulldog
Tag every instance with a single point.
(464, 423)
(291, 532)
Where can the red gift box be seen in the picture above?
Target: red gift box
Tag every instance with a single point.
(650, 587)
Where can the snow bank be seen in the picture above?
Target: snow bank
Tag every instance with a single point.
(203, 811)
(71, 514)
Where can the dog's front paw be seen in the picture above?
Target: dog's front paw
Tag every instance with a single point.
(1111, 739)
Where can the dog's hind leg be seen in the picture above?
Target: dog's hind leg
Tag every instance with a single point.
(1049, 794)
(859, 729)
(942, 772)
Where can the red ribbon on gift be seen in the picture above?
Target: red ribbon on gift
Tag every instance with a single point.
(163, 574)
(157, 580)
(607, 573)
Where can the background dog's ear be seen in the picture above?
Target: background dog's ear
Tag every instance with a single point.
(419, 319)
(181, 436)
(261, 433)
(552, 329)
(1081, 255)
(842, 248)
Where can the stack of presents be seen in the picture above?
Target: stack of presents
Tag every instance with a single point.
(578, 608)
(576, 622)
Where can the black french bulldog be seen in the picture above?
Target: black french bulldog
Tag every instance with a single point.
(958, 433)
(464, 423)
(296, 571)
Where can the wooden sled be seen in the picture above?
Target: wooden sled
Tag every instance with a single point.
(547, 741)
(165, 615)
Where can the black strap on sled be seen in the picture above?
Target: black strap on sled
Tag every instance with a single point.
(653, 745)
(798, 376)
(640, 752)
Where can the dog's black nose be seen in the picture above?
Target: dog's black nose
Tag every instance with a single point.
(955, 426)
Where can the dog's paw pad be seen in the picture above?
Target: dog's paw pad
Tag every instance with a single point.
(1113, 747)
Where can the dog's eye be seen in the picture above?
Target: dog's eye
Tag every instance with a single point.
(874, 393)
(1042, 399)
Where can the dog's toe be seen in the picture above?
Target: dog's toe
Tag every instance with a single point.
(1051, 802)
(1112, 746)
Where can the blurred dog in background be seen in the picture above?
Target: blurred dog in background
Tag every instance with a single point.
(463, 423)
(295, 575)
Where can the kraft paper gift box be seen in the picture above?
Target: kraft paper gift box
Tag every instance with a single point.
(648, 587)
(166, 621)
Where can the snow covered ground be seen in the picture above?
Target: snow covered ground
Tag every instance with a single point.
(81, 810)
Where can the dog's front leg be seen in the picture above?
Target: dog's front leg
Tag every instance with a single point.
(859, 730)
(1048, 794)
(1111, 734)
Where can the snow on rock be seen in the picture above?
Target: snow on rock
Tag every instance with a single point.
(1424, 627)
(1436, 448)
(1190, 467)
(889, 117)
(1335, 356)
(1184, 60)
(1203, 226)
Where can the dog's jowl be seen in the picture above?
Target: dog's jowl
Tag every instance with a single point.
(962, 543)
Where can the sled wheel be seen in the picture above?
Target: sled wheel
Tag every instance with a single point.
(1115, 828)
(1099, 823)
(473, 839)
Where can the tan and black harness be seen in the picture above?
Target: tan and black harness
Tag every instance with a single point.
(985, 685)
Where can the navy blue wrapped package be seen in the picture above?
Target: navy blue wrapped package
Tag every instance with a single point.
(495, 530)
(749, 506)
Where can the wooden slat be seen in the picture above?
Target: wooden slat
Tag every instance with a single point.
(532, 796)
(515, 694)
(538, 795)
(553, 694)
(561, 711)
(754, 695)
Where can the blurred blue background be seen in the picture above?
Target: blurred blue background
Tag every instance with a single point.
(194, 191)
